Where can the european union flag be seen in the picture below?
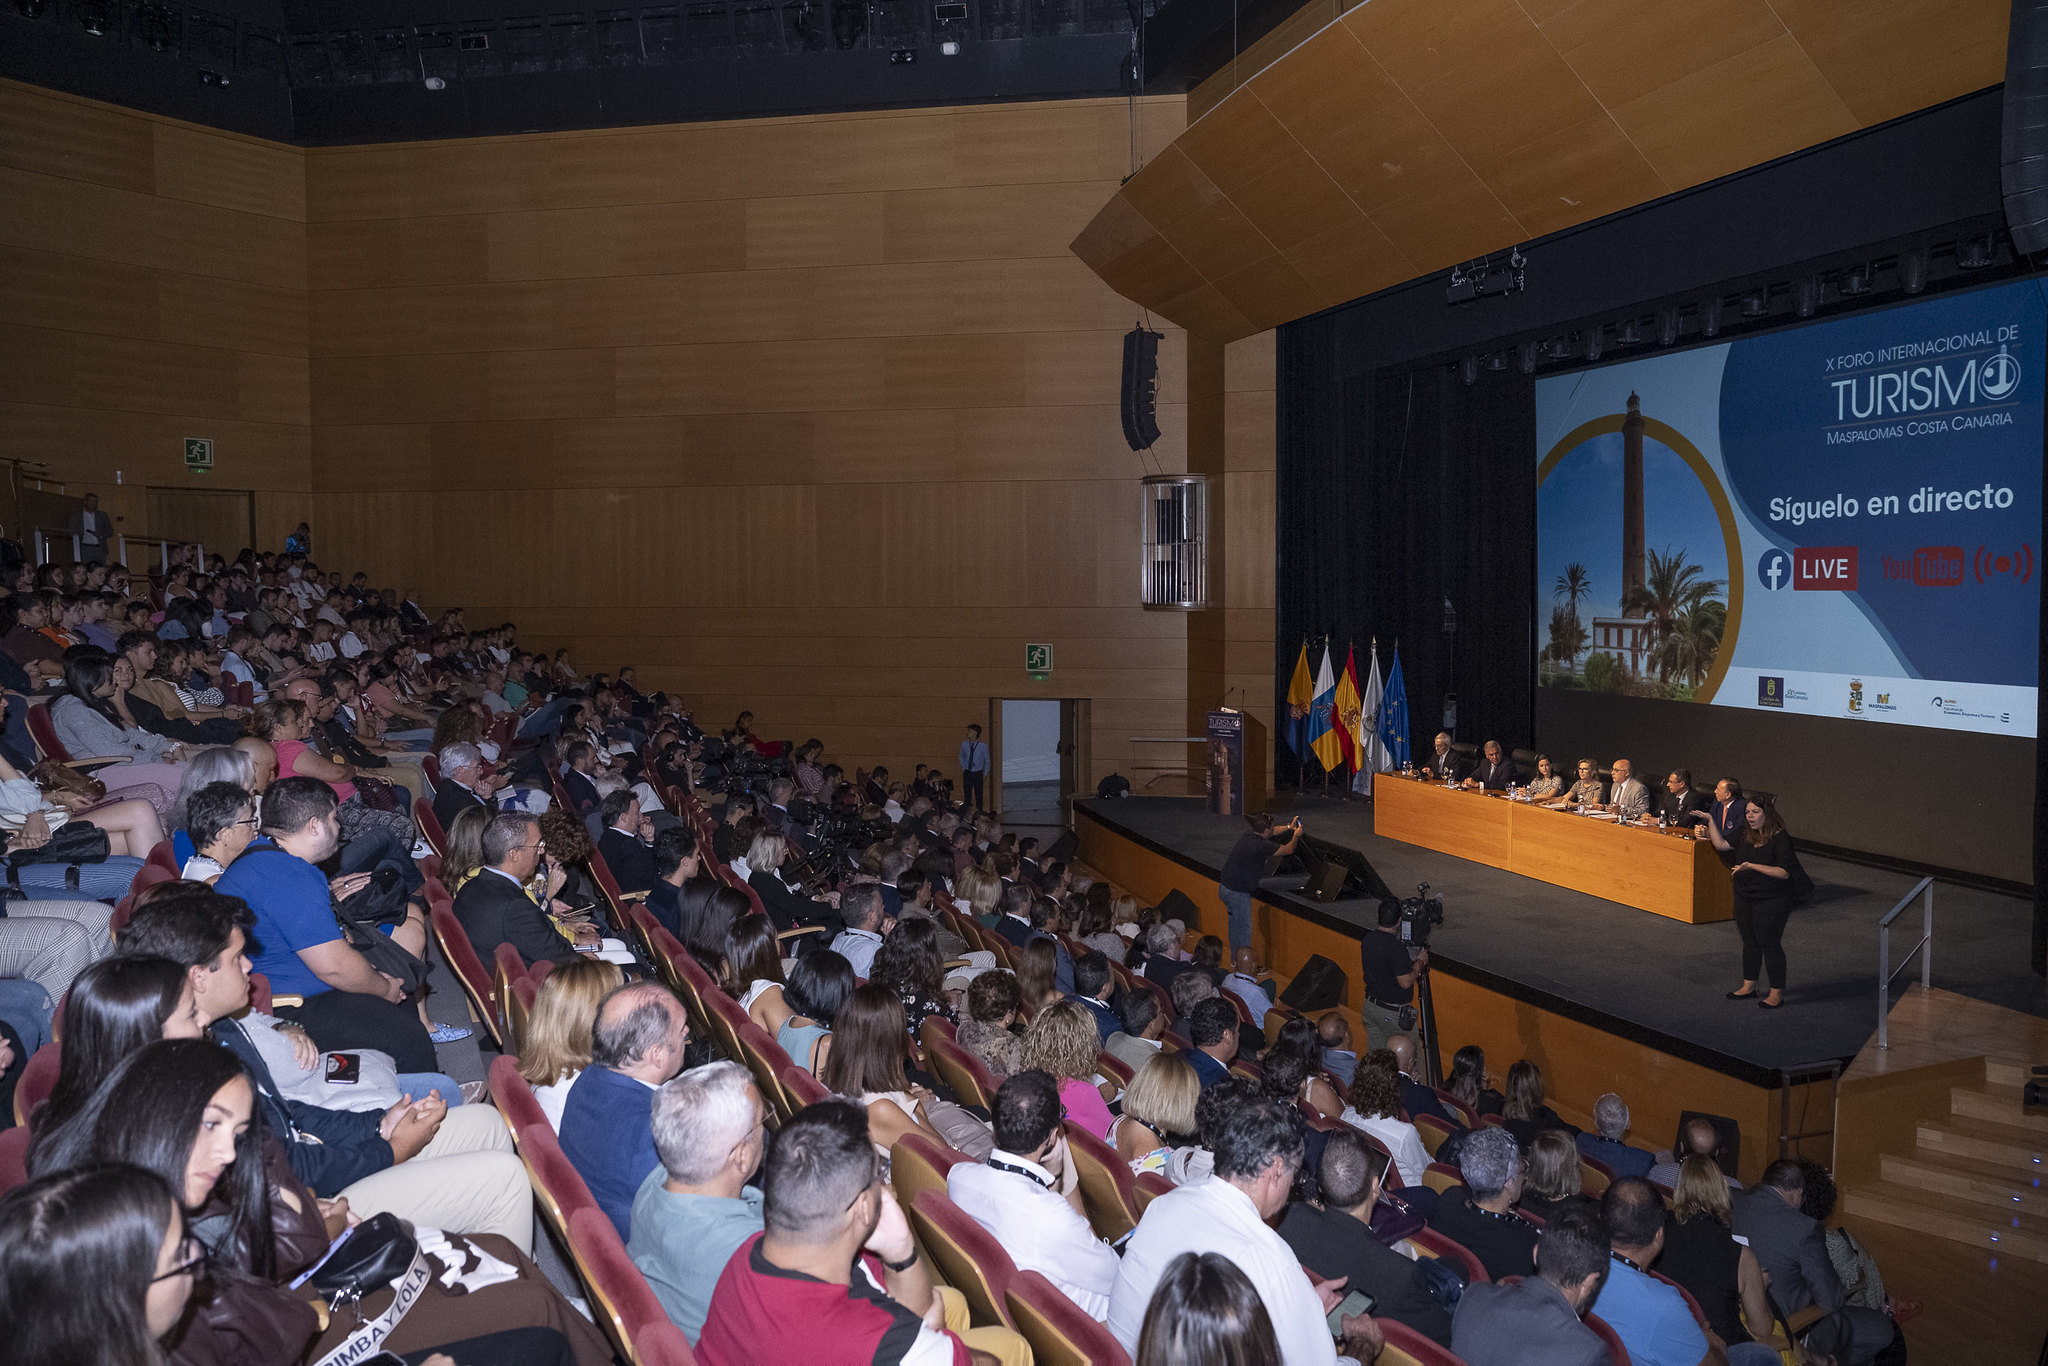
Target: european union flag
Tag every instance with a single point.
(1394, 716)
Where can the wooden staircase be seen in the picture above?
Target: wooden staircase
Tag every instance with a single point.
(1977, 1174)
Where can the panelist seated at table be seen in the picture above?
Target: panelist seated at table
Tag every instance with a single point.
(1728, 810)
(1548, 784)
(1678, 804)
(1626, 798)
(1443, 763)
(1494, 771)
(1587, 791)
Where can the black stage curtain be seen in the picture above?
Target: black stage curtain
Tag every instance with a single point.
(1396, 493)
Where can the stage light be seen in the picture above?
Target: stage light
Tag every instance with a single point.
(1470, 368)
(1913, 270)
(436, 82)
(1594, 343)
(1975, 253)
(1710, 318)
(1528, 358)
(92, 17)
(1497, 361)
(1756, 303)
(1806, 295)
(1855, 280)
(31, 9)
(1559, 348)
(1628, 334)
(211, 77)
(156, 25)
(1667, 326)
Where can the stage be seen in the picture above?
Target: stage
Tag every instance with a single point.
(1518, 951)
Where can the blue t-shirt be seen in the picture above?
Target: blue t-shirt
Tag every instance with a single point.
(681, 1244)
(293, 912)
(1651, 1318)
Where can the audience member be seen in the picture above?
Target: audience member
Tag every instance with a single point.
(866, 923)
(1093, 984)
(1374, 1107)
(1469, 1082)
(221, 820)
(1535, 1322)
(1206, 1310)
(1062, 1040)
(751, 971)
(1142, 1033)
(1608, 1145)
(835, 1276)
(1480, 1215)
(1417, 1098)
(1701, 1254)
(1792, 1249)
(1861, 1281)
(465, 782)
(1028, 1195)
(695, 1210)
(627, 842)
(496, 908)
(819, 984)
(1553, 1180)
(1650, 1316)
(558, 1043)
(909, 963)
(1258, 1149)
(1698, 1138)
(1158, 1113)
(990, 1030)
(866, 1062)
(1212, 1028)
(607, 1135)
(1339, 1060)
(1336, 1239)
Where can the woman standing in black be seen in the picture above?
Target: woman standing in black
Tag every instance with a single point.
(1768, 880)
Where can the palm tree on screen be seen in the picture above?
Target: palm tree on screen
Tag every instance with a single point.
(1695, 638)
(1671, 587)
(1573, 584)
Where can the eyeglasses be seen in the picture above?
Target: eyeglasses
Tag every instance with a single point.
(192, 1259)
(251, 821)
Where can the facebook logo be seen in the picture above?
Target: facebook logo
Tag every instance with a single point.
(1774, 569)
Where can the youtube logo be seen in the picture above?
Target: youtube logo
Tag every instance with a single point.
(1824, 569)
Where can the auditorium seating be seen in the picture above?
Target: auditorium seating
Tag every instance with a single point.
(620, 1298)
(461, 959)
(1406, 1347)
(918, 1164)
(37, 1080)
(13, 1157)
(1059, 1333)
(1429, 1243)
(1432, 1131)
(1617, 1354)
(1106, 1191)
(513, 1097)
(968, 1258)
(1440, 1177)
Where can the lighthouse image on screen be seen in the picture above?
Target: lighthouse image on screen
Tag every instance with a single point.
(1840, 519)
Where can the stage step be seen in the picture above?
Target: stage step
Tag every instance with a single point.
(2007, 1233)
(1999, 1104)
(2007, 1145)
(2008, 1074)
(1960, 1179)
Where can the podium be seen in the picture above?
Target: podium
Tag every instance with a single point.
(1235, 757)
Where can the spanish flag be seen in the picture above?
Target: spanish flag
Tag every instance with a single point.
(1349, 711)
(1300, 692)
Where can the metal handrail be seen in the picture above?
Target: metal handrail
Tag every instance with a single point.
(1924, 889)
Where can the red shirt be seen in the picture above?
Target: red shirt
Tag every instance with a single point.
(762, 1313)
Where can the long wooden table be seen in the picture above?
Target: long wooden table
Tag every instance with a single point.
(1665, 874)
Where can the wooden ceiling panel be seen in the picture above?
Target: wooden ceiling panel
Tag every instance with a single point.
(1889, 57)
(1294, 201)
(1585, 171)
(1455, 128)
(1179, 189)
(1623, 50)
(1711, 123)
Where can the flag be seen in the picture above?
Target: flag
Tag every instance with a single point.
(1347, 710)
(1300, 692)
(1394, 716)
(1322, 721)
(1372, 752)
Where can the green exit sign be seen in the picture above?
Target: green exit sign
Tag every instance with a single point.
(1038, 660)
(198, 454)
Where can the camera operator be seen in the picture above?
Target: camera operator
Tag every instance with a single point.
(1390, 976)
(1249, 862)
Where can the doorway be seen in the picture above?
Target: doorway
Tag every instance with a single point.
(221, 520)
(1039, 759)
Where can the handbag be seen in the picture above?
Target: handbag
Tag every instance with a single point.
(53, 777)
(378, 794)
(72, 843)
(383, 901)
(369, 1257)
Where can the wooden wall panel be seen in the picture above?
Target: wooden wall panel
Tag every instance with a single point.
(152, 287)
(812, 416)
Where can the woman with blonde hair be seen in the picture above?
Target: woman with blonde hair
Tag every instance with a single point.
(1159, 1112)
(1553, 1182)
(786, 906)
(980, 888)
(1062, 1040)
(1701, 1254)
(557, 1046)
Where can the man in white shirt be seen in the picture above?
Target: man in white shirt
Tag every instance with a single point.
(1028, 1196)
(866, 922)
(1258, 1150)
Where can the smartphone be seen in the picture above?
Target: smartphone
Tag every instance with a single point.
(345, 1068)
(1357, 1302)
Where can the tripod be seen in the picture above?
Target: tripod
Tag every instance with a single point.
(1425, 1028)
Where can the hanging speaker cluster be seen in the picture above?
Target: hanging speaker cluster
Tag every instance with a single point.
(2024, 155)
(1141, 376)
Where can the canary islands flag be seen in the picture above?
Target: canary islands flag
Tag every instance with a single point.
(1301, 691)
(1322, 720)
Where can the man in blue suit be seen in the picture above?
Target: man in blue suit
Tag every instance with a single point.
(607, 1123)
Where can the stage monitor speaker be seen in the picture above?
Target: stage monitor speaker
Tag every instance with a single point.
(1178, 905)
(2023, 150)
(1728, 1135)
(1063, 849)
(1339, 874)
(1318, 986)
(1141, 372)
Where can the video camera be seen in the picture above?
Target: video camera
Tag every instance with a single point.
(1419, 915)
